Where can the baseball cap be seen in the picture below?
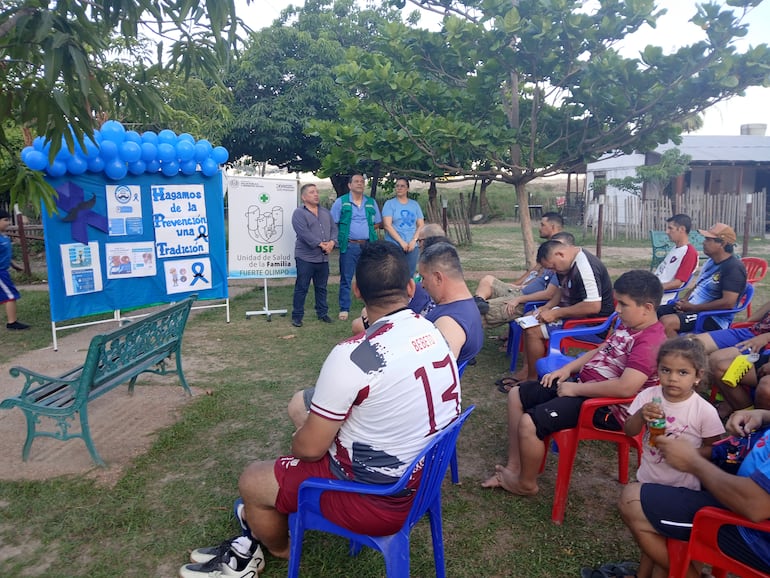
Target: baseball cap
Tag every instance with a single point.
(720, 231)
(4, 214)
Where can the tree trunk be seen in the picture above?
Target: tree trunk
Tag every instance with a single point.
(374, 180)
(483, 200)
(340, 184)
(432, 193)
(526, 225)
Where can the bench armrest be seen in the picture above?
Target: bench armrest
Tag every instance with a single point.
(33, 378)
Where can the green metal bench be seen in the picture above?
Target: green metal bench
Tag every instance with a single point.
(112, 359)
(661, 245)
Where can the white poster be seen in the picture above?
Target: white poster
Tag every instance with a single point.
(130, 259)
(261, 236)
(179, 220)
(124, 210)
(81, 268)
(187, 275)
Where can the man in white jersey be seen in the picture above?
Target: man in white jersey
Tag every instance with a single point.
(379, 399)
(680, 262)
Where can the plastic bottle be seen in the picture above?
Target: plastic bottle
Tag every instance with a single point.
(657, 427)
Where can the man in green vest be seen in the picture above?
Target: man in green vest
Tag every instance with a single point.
(358, 218)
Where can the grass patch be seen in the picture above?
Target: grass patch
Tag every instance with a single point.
(178, 495)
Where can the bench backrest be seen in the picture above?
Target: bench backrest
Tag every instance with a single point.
(142, 343)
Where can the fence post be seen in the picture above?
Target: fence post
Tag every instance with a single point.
(747, 226)
(23, 243)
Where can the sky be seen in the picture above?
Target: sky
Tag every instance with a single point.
(674, 29)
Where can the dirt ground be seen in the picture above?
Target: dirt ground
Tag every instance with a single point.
(122, 426)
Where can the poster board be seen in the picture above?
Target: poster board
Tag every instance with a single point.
(140, 241)
(261, 236)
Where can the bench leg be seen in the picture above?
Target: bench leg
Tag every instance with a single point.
(85, 430)
(31, 422)
(179, 371)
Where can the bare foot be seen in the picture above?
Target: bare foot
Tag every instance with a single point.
(510, 481)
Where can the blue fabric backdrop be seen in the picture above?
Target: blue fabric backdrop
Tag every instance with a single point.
(197, 264)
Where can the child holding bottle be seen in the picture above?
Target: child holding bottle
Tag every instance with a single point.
(678, 408)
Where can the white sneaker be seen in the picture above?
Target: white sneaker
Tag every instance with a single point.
(239, 557)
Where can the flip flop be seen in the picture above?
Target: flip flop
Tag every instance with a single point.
(506, 384)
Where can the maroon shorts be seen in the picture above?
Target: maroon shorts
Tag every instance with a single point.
(372, 515)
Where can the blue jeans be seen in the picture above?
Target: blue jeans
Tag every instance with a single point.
(348, 262)
(306, 272)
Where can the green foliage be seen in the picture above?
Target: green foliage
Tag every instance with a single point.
(59, 66)
(284, 79)
(672, 163)
(515, 91)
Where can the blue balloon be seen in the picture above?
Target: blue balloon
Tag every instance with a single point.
(130, 151)
(167, 136)
(186, 136)
(57, 168)
(77, 165)
(166, 152)
(36, 160)
(90, 149)
(25, 152)
(108, 150)
(114, 131)
(137, 168)
(153, 166)
(96, 164)
(64, 153)
(209, 167)
(133, 136)
(150, 137)
(38, 143)
(98, 138)
(116, 169)
(202, 150)
(220, 155)
(185, 150)
(149, 152)
(170, 169)
(188, 167)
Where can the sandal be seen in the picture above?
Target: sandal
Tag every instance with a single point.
(506, 384)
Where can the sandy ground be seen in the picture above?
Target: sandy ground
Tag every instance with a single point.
(122, 426)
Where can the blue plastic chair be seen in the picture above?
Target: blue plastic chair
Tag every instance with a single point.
(515, 331)
(453, 461)
(556, 358)
(743, 302)
(434, 461)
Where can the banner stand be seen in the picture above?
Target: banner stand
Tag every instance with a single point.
(119, 319)
(267, 311)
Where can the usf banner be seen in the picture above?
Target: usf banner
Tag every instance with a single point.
(261, 236)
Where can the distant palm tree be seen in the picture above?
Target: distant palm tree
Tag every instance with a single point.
(692, 123)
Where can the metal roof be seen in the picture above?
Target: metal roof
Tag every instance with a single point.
(723, 149)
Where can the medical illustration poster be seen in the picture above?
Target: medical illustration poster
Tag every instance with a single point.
(82, 272)
(124, 209)
(261, 236)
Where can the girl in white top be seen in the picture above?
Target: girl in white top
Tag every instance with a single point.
(682, 364)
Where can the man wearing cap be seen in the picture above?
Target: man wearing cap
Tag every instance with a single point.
(720, 283)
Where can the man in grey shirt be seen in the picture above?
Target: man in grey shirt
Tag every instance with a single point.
(316, 238)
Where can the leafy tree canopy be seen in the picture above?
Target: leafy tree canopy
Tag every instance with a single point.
(56, 64)
(284, 79)
(514, 90)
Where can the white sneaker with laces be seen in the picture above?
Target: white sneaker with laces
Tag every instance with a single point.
(240, 557)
